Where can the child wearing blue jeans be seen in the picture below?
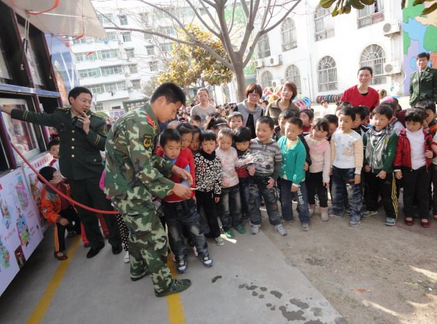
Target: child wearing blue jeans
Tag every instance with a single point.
(293, 174)
(242, 137)
(267, 160)
(180, 213)
(347, 162)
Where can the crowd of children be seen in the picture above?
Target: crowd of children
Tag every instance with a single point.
(359, 159)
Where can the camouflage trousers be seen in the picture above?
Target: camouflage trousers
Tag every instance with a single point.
(147, 241)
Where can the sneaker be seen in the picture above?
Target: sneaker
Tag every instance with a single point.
(324, 214)
(389, 221)
(241, 229)
(176, 286)
(312, 210)
(354, 223)
(331, 214)
(207, 261)
(254, 229)
(126, 257)
(195, 251)
(219, 241)
(291, 221)
(230, 234)
(369, 213)
(181, 266)
(305, 227)
(281, 230)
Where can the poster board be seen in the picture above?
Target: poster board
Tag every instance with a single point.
(20, 230)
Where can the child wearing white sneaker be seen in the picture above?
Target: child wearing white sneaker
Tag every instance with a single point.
(230, 201)
(267, 160)
(318, 177)
(293, 174)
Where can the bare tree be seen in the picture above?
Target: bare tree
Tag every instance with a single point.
(219, 17)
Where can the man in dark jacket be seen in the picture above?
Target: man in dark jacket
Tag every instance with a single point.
(423, 83)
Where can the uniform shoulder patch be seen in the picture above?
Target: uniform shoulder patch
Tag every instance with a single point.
(147, 142)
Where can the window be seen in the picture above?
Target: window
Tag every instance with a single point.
(145, 17)
(121, 85)
(371, 14)
(111, 70)
(98, 106)
(324, 23)
(106, 54)
(374, 56)
(105, 19)
(133, 68)
(288, 34)
(111, 87)
(123, 20)
(82, 57)
(292, 74)
(153, 66)
(130, 52)
(89, 73)
(166, 47)
(263, 46)
(4, 67)
(147, 36)
(327, 71)
(96, 89)
(83, 40)
(136, 84)
(126, 37)
(112, 36)
(21, 134)
(167, 30)
(266, 79)
(150, 50)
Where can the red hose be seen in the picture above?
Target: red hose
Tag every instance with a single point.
(72, 201)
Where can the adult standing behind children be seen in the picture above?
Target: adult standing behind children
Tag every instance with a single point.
(249, 108)
(288, 93)
(204, 108)
(134, 173)
(423, 82)
(361, 94)
(82, 136)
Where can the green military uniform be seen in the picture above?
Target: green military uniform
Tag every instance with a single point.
(81, 163)
(423, 86)
(133, 174)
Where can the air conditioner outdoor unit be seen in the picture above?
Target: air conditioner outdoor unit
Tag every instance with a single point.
(391, 27)
(277, 82)
(259, 64)
(392, 67)
(275, 60)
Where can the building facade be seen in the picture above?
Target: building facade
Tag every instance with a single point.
(322, 54)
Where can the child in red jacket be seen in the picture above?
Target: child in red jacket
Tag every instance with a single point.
(57, 210)
(411, 163)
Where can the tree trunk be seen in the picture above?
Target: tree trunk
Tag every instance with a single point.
(239, 76)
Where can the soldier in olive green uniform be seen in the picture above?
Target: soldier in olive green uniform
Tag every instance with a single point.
(133, 174)
(423, 83)
(80, 161)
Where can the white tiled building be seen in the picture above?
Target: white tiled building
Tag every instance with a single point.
(322, 54)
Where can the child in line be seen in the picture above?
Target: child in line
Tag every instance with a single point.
(361, 120)
(180, 213)
(333, 124)
(230, 201)
(195, 143)
(292, 173)
(318, 177)
(413, 157)
(381, 143)
(242, 138)
(53, 148)
(209, 185)
(347, 162)
(196, 120)
(235, 120)
(57, 210)
(430, 111)
(267, 160)
(307, 116)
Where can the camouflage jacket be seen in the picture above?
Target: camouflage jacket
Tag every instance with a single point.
(79, 156)
(133, 170)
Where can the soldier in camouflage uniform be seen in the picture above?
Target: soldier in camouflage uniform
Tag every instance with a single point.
(82, 136)
(133, 174)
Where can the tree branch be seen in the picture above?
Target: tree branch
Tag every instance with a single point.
(283, 17)
(211, 30)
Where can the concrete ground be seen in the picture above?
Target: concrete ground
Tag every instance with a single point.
(251, 282)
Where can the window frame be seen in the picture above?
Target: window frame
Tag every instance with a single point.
(376, 63)
(294, 77)
(264, 46)
(323, 19)
(328, 85)
(288, 36)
